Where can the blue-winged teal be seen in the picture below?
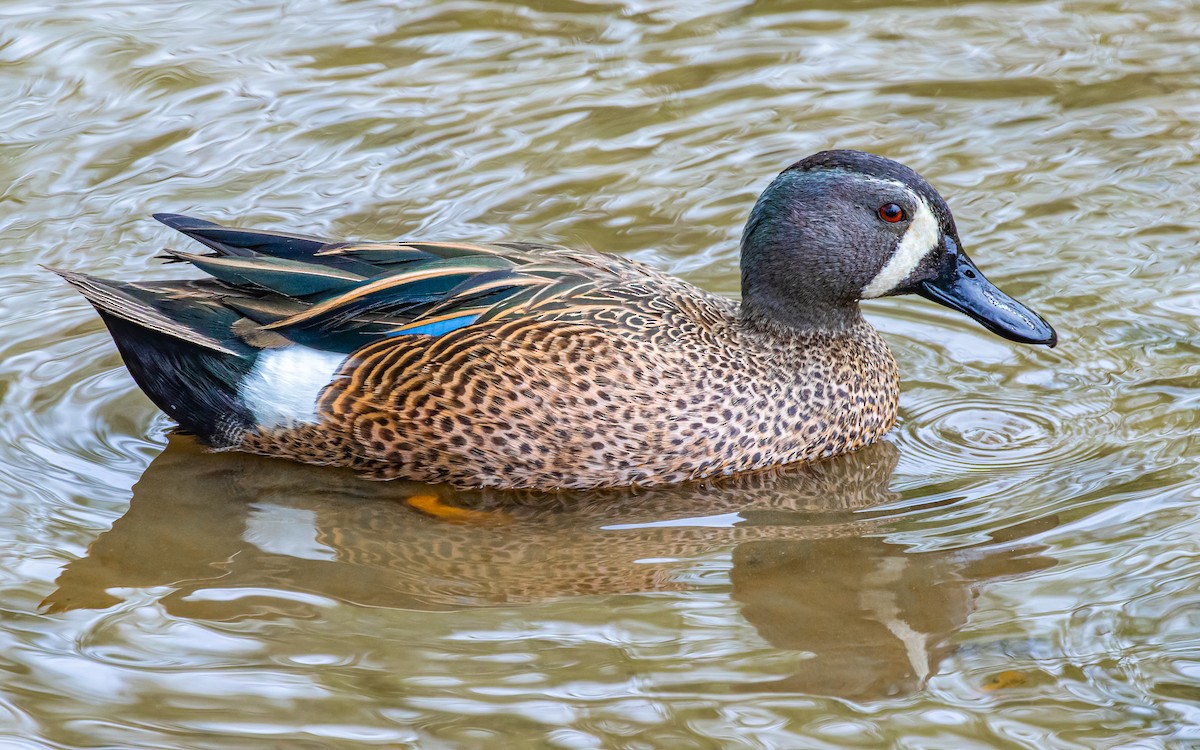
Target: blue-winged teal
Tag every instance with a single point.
(523, 365)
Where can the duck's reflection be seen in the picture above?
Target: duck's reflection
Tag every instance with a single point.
(235, 535)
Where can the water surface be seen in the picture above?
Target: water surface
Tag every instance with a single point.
(1016, 566)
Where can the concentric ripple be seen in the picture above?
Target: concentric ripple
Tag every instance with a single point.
(952, 431)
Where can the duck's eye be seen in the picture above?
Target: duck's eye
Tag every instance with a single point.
(891, 213)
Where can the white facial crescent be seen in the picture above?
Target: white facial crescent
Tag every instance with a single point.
(920, 239)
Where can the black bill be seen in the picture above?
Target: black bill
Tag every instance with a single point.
(960, 286)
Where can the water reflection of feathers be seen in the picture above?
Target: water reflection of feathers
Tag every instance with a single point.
(810, 564)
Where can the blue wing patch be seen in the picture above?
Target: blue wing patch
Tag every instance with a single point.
(440, 327)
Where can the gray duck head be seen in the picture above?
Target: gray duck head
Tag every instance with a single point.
(839, 227)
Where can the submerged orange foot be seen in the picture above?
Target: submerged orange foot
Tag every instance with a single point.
(1009, 678)
(433, 505)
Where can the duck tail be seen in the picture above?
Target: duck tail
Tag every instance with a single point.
(181, 352)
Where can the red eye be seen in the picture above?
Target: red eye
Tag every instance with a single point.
(891, 213)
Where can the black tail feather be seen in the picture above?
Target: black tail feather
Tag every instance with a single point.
(193, 385)
(190, 370)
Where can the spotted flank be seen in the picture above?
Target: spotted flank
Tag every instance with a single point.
(522, 365)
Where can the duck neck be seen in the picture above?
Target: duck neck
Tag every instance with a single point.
(768, 313)
(796, 276)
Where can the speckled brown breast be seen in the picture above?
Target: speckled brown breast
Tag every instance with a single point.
(669, 386)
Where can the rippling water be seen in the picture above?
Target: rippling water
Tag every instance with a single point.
(1016, 567)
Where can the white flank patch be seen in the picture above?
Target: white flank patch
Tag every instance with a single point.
(284, 385)
(919, 240)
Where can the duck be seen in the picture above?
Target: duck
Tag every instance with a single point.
(527, 366)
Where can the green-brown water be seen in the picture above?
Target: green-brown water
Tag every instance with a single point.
(1017, 567)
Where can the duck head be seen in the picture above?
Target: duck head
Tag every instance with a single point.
(842, 226)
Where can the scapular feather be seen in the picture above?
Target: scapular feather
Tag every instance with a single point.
(267, 288)
(290, 278)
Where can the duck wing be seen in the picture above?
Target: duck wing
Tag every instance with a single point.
(341, 296)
